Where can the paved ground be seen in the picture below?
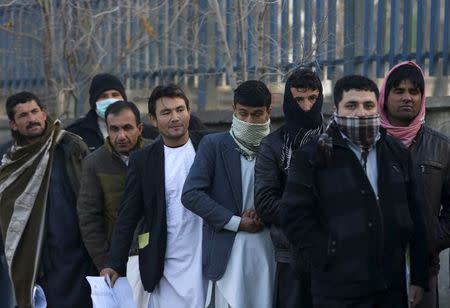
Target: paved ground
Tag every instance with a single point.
(444, 283)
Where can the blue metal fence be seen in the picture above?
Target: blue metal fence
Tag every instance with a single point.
(152, 41)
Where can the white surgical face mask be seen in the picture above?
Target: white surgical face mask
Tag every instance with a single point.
(100, 106)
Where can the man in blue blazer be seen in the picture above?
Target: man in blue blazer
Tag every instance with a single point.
(238, 257)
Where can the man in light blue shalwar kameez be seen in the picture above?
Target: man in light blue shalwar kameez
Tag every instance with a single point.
(238, 258)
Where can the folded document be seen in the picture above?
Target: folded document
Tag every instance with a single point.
(103, 296)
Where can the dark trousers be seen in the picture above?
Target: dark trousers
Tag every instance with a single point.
(386, 299)
(291, 291)
(430, 299)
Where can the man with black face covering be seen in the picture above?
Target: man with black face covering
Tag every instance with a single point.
(302, 111)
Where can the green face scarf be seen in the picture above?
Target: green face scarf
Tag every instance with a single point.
(248, 136)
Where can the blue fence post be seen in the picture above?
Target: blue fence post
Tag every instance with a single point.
(273, 46)
(406, 29)
(4, 58)
(433, 60)
(201, 94)
(380, 45)
(229, 30)
(296, 39)
(180, 53)
(217, 52)
(250, 46)
(419, 35)
(307, 37)
(319, 32)
(331, 43)
(445, 45)
(349, 36)
(368, 29)
(284, 32)
(393, 32)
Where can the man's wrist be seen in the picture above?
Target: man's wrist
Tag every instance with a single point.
(233, 224)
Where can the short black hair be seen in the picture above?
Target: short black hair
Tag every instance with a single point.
(253, 93)
(117, 107)
(303, 78)
(353, 82)
(20, 98)
(171, 90)
(401, 73)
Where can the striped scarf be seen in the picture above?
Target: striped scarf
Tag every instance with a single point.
(292, 142)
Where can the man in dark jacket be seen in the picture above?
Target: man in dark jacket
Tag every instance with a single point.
(102, 186)
(302, 107)
(39, 182)
(170, 252)
(349, 208)
(402, 110)
(105, 89)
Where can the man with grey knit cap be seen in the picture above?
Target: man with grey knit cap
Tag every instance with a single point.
(220, 188)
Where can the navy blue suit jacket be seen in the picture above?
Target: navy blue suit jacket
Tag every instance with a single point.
(213, 190)
(144, 196)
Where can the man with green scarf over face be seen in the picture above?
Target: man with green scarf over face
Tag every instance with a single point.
(39, 181)
(238, 257)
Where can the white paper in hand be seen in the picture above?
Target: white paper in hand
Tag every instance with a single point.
(120, 296)
(39, 300)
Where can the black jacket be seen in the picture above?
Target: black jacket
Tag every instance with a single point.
(144, 196)
(88, 129)
(431, 157)
(354, 242)
(270, 180)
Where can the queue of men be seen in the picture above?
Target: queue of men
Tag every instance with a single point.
(350, 212)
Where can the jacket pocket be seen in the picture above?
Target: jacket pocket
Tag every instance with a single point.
(429, 166)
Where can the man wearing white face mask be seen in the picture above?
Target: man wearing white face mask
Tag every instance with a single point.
(105, 89)
(238, 256)
(350, 208)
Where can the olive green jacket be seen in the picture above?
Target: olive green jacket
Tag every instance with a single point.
(102, 186)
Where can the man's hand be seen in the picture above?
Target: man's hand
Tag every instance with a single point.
(250, 213)
(250, 225)
(113, 276)
(415, 295)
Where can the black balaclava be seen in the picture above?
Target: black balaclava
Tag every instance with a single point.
(300, 126)
(295, 117)
(104, 82)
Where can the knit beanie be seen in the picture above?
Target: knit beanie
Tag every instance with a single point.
(101, 83)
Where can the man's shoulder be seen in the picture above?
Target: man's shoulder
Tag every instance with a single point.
(73, 144)
(275, 136)
(87, 121)
(4, 147)
(146, 150)
(99, 155)
(217, 137)
(437, 136)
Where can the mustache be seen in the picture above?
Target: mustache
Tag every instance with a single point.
(31, 124)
